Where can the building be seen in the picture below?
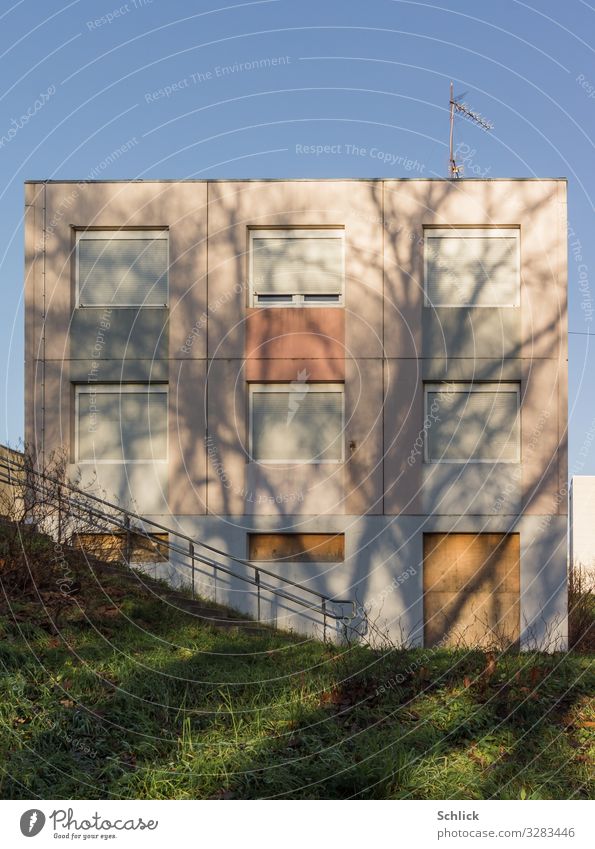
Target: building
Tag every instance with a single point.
(582, 525)
(360, 383)
(11, 485)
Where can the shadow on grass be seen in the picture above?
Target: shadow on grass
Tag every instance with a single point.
(161, 707)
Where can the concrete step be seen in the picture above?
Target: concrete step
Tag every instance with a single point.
(250, 628)
(199, 608)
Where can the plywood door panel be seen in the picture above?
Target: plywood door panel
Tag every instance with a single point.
(471, 589)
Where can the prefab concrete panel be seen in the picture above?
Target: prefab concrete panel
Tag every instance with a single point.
(473, 333)
(119, 334)
(236, 207)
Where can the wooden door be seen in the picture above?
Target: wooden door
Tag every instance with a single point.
(471, 589)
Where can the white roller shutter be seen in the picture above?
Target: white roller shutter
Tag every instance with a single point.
(122, 269)
(472, 267)
(297, 262)
(467, 423)
(125, 426)
(304, 426)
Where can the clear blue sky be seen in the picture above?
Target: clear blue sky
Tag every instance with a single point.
(371, 74)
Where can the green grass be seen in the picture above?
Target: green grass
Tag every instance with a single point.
(106, 691)
(146, 703)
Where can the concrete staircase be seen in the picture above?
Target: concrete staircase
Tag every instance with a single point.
(88, 513)
(203, 610)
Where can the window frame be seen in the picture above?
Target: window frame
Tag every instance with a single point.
(338, 388)
(110, 235)
(294, 300)
(478, 386)
(460, 231)
(123, 389)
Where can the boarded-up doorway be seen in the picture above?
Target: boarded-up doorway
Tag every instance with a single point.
(471, 589)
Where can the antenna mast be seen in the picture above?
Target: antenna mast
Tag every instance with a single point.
(456, 105)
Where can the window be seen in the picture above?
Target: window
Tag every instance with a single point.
(296, 422)
(115, 547)
(121, 424)
(297, 548)
(472, 423)
(122, 268)
(467, 267)
(296, 267)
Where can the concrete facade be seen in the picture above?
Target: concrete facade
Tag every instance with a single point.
(208, 345)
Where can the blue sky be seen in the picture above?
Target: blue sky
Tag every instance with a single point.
(164, 80)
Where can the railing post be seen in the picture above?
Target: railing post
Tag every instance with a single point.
(91, 510)
(128, 542)
(59, 513)
(257, 579)
(191, 552)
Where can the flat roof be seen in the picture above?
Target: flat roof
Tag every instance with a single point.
(324, 180)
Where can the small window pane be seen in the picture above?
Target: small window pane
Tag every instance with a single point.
(122, 272)
(472, 424)
(297, 265)
(274, 299)
(472, 270)
(321, 299)
(122, 426)
(302, 426)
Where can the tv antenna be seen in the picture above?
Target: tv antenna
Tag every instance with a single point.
(459, 106)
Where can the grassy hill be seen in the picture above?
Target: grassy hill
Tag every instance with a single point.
(108, 691)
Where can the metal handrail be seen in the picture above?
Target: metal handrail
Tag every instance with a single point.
(166, 529)
(10, 467)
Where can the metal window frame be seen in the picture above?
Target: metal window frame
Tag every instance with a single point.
(263, 388)
(462, 387)
(123, 389)
(296, 299)
(113, 235)
(460, 232)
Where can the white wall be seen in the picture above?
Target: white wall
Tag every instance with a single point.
(383, 570)
(582, 522)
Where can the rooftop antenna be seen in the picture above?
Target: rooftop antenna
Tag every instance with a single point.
(457, 105)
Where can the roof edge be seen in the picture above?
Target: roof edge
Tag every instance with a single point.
(319, 180)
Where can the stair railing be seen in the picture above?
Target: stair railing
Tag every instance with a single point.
(100, 514)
